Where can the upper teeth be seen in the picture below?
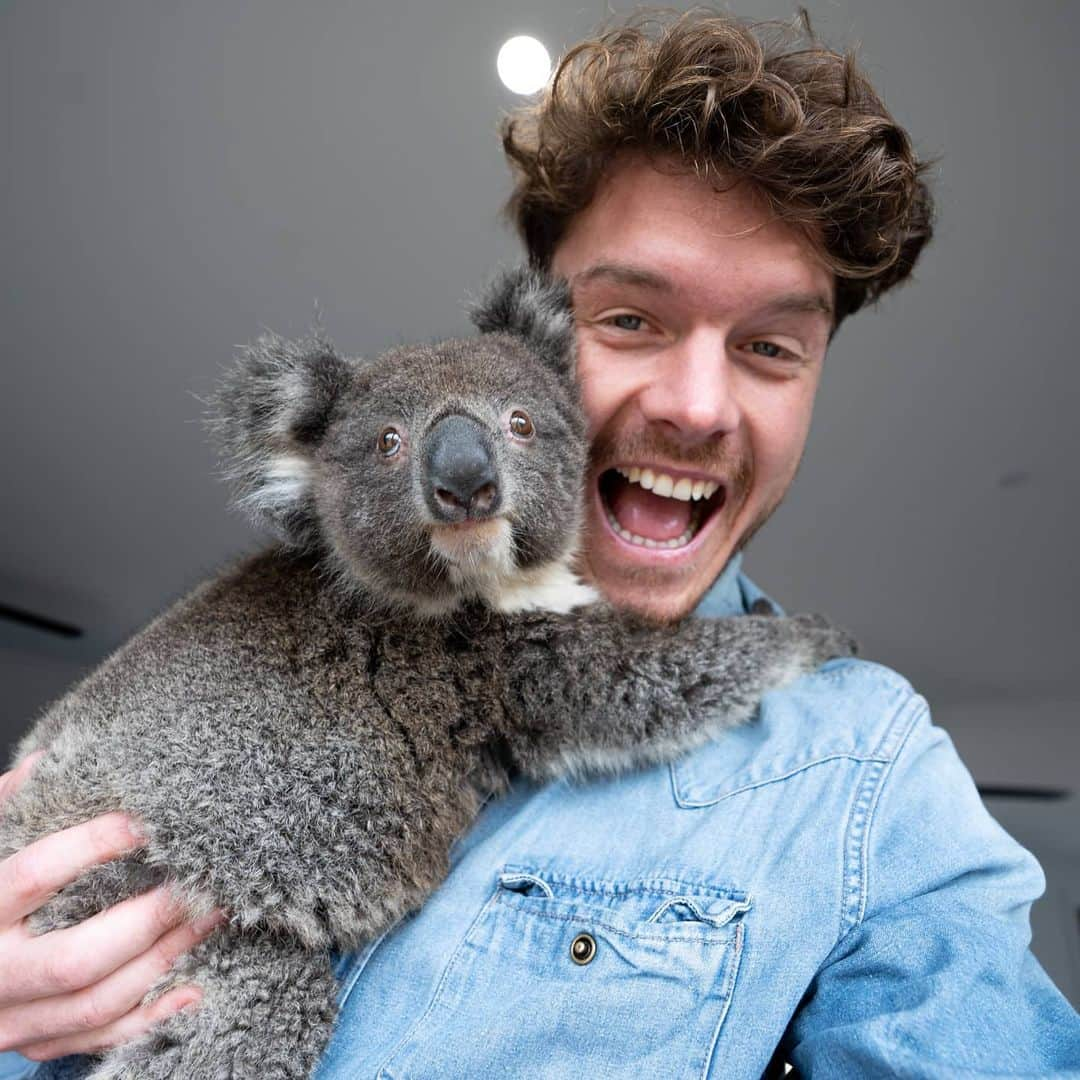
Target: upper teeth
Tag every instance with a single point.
(663, 484)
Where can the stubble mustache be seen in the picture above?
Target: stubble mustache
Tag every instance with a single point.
(718, 458)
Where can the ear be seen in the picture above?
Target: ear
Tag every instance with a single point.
(270, 412)
(534, 306)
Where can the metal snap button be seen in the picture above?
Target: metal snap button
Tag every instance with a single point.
(583, 949)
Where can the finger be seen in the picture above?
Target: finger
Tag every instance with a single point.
(128, 1027)
(11, 781)
(41, 869)
(97, 1006)
(77, 957)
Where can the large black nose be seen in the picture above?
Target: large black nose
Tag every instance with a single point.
(461, 478)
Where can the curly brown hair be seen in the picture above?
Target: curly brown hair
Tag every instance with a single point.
(733, 101)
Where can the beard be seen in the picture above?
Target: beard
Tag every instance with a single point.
(672, 592)
(716, 459)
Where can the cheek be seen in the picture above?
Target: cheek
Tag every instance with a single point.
(606, 386)
(378, 502)
(778, 425)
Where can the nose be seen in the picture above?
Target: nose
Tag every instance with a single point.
(460, 477)
(693, 394)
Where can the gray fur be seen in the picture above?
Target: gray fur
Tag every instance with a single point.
(304, 736)
(536, 308)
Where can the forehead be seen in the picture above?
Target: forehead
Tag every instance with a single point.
(720, 249)
(488, 366)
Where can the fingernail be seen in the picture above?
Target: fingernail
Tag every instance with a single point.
(18, 775)
(209, 922)
(31, 760)
(189, 1001)
(135, 830)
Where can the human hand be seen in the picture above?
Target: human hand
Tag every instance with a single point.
(80, 990)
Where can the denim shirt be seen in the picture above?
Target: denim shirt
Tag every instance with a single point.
(822, 886)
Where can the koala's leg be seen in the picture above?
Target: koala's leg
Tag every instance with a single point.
(267, 1013)
(602, 691)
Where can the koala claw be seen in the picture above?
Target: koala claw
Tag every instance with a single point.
(827, 642)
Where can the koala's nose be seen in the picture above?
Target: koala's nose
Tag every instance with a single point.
(461, 478)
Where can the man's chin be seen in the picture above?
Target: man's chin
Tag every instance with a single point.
(651, 604)
(660, 590)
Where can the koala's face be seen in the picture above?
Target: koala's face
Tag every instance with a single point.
(431, 473)
(447, 465)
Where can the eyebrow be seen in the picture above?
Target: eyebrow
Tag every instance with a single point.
(798, 304)
(625, 274)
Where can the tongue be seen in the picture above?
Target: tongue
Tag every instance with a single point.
(651, 516)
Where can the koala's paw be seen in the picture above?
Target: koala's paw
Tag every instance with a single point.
(822, 640)
(96, 889)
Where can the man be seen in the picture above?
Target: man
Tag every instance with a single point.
(822, 886)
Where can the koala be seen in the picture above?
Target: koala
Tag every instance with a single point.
(303, 737)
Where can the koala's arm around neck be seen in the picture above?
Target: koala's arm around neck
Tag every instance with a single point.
(597, 690)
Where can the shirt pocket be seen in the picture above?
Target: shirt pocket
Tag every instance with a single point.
(564, 976)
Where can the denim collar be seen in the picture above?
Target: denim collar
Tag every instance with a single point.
(733, 593)
(725, 597)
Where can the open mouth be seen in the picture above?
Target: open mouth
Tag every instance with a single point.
(649, 508)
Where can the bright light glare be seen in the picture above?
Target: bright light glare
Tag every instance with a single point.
(523, 65)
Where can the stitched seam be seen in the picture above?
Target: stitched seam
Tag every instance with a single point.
(729, 990)
(409, 1035)
(688, 804)
(722, 919)
(894, 737)
(918, 708)
(358, 970)
(856, 869)
(651, 886)
(591, 920)
(518, 878)
(853, 866)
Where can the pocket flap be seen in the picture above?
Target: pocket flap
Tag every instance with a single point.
(653, 902)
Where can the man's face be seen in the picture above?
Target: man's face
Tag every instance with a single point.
(702, 327)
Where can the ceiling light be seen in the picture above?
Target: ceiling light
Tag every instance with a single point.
(523, 64)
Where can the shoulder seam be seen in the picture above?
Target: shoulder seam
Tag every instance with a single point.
(854, 885)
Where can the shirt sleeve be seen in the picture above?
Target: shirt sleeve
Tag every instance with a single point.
(935, 977)
(14, 1067)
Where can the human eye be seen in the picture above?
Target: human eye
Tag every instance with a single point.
(625, 328)
(625, 320)
(771, 350)
(776, 355)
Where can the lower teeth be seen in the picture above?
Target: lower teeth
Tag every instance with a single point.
(644, 541)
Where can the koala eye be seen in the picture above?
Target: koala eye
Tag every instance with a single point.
(521, 425)
(389, 442)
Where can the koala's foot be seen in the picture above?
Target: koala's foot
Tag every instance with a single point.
(267, 1013)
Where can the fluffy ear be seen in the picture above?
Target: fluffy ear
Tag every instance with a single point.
(534, 306)
(270, 411)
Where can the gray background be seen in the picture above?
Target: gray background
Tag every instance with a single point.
(178, 176)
